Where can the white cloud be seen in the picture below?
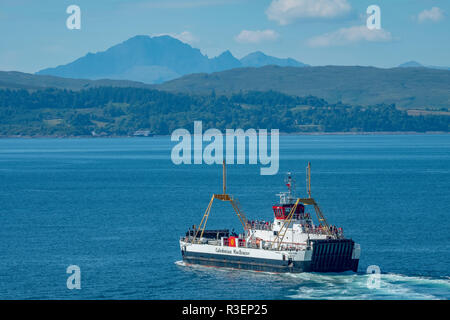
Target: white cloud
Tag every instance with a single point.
(345, 36)
(435, 14)
(286, 11)
(248, 36)
(185, 36)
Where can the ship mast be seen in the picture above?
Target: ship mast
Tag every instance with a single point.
(307, 201)
(222, 197)
(311, 201)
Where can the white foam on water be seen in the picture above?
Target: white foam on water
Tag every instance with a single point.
(355, 286)
(181, 263)
(350, 285)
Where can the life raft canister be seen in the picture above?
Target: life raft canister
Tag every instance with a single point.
(232, 241)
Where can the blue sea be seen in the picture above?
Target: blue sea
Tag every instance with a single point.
(117, 207)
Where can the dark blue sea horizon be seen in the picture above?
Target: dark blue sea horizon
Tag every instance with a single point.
(117, 207)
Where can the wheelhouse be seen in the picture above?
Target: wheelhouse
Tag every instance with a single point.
(282, 211)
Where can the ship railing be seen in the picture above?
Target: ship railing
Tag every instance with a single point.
(271, 245)
(338, 234)
(260, 225)
(241, 243)
(313, 230)
(213, 242)
(287, 246)
(197, 240)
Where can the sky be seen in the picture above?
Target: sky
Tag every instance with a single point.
(34, 34)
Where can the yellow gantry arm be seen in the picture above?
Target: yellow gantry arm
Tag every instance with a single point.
(239, 213)
(319, 214)
(222, 197)
(311, 201)
(202, 224)
(285, 226)
(321, 218)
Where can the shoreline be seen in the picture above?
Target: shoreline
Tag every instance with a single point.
(343, 133)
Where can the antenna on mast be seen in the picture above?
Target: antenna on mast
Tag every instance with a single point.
(308, 179)
(224, 178)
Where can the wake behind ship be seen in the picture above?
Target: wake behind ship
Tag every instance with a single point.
(292, 242)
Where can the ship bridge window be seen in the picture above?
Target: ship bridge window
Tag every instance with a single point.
(278, 212)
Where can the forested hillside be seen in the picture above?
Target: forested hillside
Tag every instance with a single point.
(111, 111)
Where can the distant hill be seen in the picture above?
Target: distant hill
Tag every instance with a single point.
(406, 87)
(411, 64)
(155, 60)
(20, 80)
(415, 64)
(259, 59)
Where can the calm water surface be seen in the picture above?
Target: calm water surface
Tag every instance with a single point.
(116, 208)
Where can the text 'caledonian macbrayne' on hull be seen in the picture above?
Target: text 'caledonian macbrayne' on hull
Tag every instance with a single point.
(291, 243)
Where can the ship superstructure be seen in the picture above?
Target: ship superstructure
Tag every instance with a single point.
(292, 242)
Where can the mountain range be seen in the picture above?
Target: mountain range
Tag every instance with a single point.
(156, 60)
(167, 64)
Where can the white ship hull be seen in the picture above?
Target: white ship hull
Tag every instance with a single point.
(335, 255)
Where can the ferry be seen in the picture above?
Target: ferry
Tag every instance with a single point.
(292, 242)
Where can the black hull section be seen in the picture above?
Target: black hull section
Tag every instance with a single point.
(254, 264)
(333, 255)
